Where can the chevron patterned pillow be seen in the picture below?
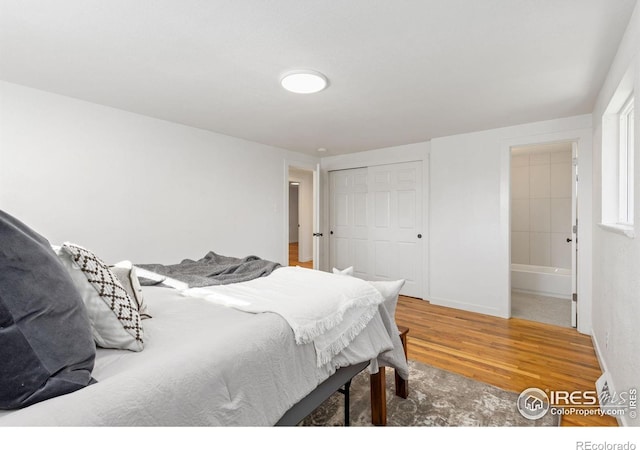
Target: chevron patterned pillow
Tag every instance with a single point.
(114, 315)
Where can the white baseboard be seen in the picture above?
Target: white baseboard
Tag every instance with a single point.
(468, 307)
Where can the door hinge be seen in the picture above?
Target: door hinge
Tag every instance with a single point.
(574, 297)
(317, 234)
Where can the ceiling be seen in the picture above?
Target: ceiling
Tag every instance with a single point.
(400, 71)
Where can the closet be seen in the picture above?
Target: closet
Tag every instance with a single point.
(375, 219)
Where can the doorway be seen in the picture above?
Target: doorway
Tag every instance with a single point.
(301, 216)
(543, 232)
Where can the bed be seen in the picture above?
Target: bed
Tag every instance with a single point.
(207, 362)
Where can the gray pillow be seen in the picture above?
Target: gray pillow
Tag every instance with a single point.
(46, 345)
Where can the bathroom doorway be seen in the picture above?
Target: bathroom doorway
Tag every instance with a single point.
(543, 232)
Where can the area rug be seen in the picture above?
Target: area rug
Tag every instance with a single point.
(436, 398)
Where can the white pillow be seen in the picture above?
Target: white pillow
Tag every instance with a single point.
(390, 291)
(127, 275)
(113, 314)
(347, 271)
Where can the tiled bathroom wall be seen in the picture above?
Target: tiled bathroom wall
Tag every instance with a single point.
(541, 208)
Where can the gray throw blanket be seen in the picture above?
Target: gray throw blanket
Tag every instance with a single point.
(212, 270)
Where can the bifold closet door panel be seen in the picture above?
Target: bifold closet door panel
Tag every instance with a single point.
(348, 219)
(395, 202)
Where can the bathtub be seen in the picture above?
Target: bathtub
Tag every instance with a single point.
(547, 281)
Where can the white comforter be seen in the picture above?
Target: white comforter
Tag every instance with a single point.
(326, 310)
(203, 364)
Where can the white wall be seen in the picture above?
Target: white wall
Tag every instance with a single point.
(469, 251)
(133, 187)
(616, 274)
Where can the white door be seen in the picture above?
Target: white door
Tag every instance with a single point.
(348, 235)
(376, 223)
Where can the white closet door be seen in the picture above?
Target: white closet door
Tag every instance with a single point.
(395, 232)
(348, 221)
(376, 221)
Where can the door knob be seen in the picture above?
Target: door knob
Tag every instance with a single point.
(569, 239)
(419, 236)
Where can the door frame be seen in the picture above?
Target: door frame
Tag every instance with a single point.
(574, 234)
(314, 168)
(573, 249)
(583, 139)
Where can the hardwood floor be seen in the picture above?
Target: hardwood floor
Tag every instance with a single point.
(293, 257)
(512, 354)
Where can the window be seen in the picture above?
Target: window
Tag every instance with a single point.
(625, 163)
(618, 124)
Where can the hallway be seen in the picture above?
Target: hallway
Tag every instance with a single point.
(293, 257)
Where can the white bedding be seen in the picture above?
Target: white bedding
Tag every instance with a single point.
(321, 308)
(203, 364)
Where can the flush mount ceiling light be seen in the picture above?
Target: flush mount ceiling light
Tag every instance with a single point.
(304, 81)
